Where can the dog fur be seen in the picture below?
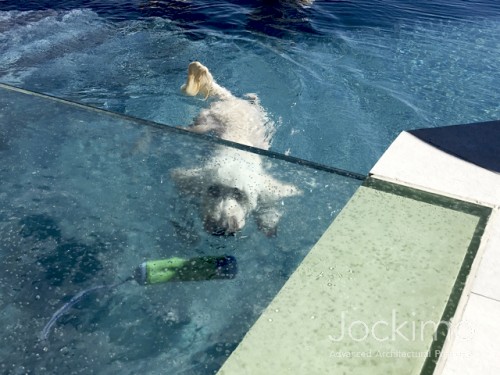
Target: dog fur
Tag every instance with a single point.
(232, 184)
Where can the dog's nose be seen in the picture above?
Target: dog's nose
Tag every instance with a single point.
(233, 225)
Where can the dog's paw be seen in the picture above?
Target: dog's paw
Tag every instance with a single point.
(267, 220)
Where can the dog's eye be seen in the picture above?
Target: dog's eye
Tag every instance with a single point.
(237, 194)
(214, 191)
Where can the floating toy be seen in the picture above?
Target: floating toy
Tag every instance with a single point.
(160, 271)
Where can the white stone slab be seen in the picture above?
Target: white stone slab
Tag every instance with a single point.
(475, 346)
(487, 281)
(412, 162)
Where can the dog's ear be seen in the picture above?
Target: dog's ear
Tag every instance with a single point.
(274, 190)
(199, 80)
(187, 180)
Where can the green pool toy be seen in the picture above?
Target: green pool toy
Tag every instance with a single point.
(193, 269)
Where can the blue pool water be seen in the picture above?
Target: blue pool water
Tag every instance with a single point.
(341, 78)
(85, 196)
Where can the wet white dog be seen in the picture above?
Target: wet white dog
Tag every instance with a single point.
(232, 184)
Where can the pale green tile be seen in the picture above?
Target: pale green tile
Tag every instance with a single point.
(386, 260)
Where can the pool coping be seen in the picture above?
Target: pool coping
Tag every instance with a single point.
(412, 162)
(454, 307)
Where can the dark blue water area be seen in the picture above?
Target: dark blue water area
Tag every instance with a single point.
(268, 15)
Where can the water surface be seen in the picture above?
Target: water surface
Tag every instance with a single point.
(342, 79)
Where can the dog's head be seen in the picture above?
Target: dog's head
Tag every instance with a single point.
(224, 205)
(199, 80)
(227, 202)
(224, 209)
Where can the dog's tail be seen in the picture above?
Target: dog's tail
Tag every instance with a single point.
(201, 82)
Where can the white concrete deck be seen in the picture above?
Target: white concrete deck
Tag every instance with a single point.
(409, 161)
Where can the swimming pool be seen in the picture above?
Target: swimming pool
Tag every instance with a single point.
(86, 195)
(341, 79)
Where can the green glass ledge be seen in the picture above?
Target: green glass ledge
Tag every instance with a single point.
(377, 292)
(483, 213)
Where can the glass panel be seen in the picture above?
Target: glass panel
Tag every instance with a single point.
(87, 196)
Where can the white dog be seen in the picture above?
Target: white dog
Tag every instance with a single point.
(232, 184)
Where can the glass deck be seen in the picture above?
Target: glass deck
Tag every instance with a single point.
(86, 196)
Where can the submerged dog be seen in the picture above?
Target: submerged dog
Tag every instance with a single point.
(232, 184)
